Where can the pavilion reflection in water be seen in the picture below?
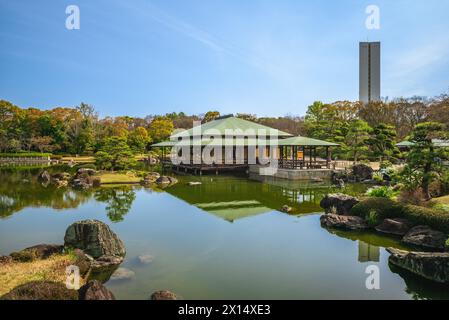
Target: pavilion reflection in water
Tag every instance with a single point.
(232, 198)
(368, 252)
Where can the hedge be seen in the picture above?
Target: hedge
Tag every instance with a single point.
(384, 207)
(436, 219)
(24, 155)
(416, 215)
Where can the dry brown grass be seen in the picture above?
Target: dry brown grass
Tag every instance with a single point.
(16, 273)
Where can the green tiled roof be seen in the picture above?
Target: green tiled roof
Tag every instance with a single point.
(231, 123)
(304, 141)
(437, 142)
(218, 142)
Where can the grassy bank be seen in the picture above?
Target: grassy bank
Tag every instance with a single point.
(14, 274)
(382, 208)
(118, 178)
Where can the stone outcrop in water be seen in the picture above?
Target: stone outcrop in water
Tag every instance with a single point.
(396, 226)
(44, 177)
(338, 203)
(426, 237)
(430, 265)
(95, 238)
(343, 222)
(95, 290)
(151, 177)
(163, 295)
(166, 180)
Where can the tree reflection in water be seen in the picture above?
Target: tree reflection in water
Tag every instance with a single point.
(118, 201)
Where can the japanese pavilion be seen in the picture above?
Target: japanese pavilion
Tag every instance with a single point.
(291, 153)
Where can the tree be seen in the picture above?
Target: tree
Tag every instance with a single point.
(138, 139)
(210, 115)
(424, 159)
(247, 116)
(382, 140)
(115, 154)
(356, 138)
(160, 129)
(43, 144)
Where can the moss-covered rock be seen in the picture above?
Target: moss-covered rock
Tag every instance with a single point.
(41, 290)
(95, 238)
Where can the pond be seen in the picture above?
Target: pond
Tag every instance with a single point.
(223, 239)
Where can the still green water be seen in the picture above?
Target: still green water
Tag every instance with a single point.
(223, 239)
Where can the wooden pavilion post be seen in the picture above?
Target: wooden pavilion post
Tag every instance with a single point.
(310, 157)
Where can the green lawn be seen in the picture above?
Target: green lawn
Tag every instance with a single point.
(442, 200)
(118, 178)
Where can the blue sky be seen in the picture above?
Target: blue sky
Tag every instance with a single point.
(139, 57)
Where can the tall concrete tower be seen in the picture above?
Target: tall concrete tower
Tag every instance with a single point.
(369, 71)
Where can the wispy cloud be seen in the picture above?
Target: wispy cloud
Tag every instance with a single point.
(205, 38)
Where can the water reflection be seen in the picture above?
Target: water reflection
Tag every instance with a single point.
(118, 201)
(232, 198)
(368, 252)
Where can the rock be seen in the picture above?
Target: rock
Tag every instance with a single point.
(61, 183)
(340, 183)
(96, 182)
(145, 258)
(41, 290)
(81, 184)
(286, 209)
(341, 202)
(123, 274)
(152, 177)
(40, 251)
(87, 171)
(362, 172)
(343, 222)
(83, 261)
(63, 176)
(394, 226)
(164, 295)
(430, 265)
(166, 180)
(95, 238)
(194, 183)
(44, 176)
(94, 290)
(5, 259)
(426, 237)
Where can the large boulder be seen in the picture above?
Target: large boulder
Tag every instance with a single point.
(44, 176)
(163, 295)
(430, 265)
(151, 177)
(338, 203)
(87, 171)
(166, 180)
(362, 172)
(343, 222)
(95, 290)
(426, 237)
(395, 226)
(95, 238)
(40, 251)
(62, 176)
(41, 290)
